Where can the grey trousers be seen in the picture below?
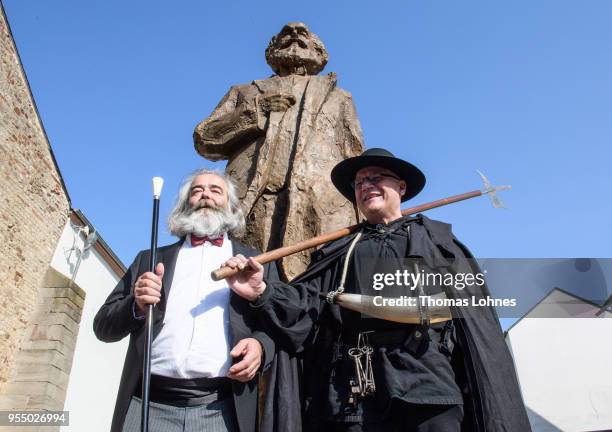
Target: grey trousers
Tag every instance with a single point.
(215, 415)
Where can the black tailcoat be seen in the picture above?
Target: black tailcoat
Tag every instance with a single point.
(115, 320)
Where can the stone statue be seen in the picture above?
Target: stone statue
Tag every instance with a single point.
(282, 136)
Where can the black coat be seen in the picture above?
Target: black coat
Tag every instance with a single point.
(299, 320)
(115, 320)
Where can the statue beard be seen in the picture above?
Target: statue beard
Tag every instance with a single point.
(204, 220)
(304, 61)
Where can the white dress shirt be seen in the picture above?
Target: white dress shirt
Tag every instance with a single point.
(193, 341)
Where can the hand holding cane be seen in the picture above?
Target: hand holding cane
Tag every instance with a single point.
(158, 182)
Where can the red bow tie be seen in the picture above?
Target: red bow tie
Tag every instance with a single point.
(197, 241)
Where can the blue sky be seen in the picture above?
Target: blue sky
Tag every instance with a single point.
(520, 90)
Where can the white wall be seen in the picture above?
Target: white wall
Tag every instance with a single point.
(563, 365)
(96, 367)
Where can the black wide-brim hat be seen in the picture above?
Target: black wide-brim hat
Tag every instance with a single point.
(343, 174)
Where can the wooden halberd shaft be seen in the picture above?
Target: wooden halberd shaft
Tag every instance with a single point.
(279, 253)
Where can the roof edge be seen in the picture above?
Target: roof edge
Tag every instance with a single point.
(38, 117)
(100, 245)
(557, 289)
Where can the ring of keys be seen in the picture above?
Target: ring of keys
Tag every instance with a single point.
(363, 382)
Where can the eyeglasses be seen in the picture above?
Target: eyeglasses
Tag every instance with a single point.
(374, 180)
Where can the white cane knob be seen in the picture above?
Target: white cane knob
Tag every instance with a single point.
(158, 183)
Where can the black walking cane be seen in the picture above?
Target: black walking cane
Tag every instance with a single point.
(158, 182)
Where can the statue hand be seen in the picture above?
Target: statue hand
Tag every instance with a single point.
(276, 102)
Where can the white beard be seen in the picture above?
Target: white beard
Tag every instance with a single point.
(207, 221)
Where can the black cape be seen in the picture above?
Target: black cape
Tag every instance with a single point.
(298, 320)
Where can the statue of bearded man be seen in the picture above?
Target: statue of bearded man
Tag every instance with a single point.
(281, 137)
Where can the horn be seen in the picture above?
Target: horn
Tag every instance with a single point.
(407, 314)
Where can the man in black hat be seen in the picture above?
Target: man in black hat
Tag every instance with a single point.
(367, 374)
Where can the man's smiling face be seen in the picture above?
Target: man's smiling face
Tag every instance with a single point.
(378, 193)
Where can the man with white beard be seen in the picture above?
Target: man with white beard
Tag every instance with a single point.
(206, 348)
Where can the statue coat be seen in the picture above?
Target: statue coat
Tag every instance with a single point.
(281, 161)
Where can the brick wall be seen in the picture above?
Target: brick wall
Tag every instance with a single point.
(34, 208)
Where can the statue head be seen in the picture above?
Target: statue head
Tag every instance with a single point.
(295, 50)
